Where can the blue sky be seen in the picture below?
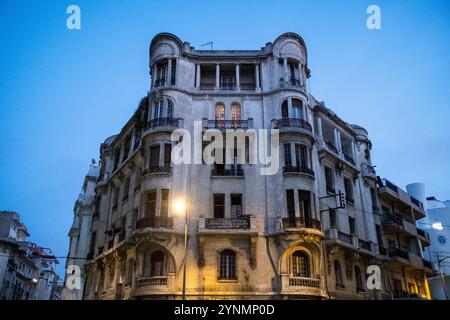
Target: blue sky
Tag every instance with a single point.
(63, 92)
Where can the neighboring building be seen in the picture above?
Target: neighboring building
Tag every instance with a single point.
(80, 232)
(17, 270)
(250, 235)
(26, 270)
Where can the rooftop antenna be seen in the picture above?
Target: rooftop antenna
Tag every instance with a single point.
(210, 43)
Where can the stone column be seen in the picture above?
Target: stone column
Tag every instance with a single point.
(300, 76)
(238, 79)
(217, 76)
(257, 85)
(336, 138)
(319, 129)
(169, 72)
(197, 80)
(352, 149)
(290, 110)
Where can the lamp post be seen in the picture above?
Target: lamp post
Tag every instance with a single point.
(180, 208)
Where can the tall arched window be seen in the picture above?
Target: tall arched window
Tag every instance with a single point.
(300, 264)
(169, 108)
(338, 274)
(297, 108)
(358, 278)
(154, 264)
(220, 115)
(284, 109)
(235, 114)
(157, 109)
(227, 265)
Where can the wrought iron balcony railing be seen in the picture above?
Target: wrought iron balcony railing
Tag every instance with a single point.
(297, 169)
(228, 124)
(165, 121)
(155, 222)
(395, 252)
(291, 123)
(166, 168)
(300, 222)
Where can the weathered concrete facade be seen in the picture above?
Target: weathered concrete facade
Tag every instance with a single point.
(250, 235)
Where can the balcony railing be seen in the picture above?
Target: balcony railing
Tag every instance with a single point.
(291, 123)
(345, 237)
(389, 218)
(242, 222)
(304, 282)
(390, 185)
(151, 281)
(301, 222)
(227, 86)
(227, 124)
(291, 82)
(165, 121)
(395, 252)
(207, 86)
(298, 169)
(416, 202)
(167, 168)
(235, 171)
(250, 86)
(349, 159)
(160, 82)
(366, 245)
(155, 222)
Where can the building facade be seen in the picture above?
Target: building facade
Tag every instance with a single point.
(308, 231)
(80, 234)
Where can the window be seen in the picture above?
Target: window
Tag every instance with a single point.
(333, 220)
(116, 158)
(301, 156)
(297, 108)
(174, 71)
(227, 265)
(304, 198)
(338, 274)
(151, 204)
(220, 115)
(329, 180)
(284, 109)
(164, 202)
(348, 191)
(167, 155)
(154, 264)
(236, 205)
(290, 205)
(351, 223)
(287, 155)
(235, 115)
(219, 205)
(154, 157)
(98, 200)
(300, 264)
(130, 270)
(157, 109)
(358, 278)
(162, 72)
(127, 148)
(115, 198)
(126, 189)
(170, 106)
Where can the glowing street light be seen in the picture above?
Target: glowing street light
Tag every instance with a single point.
(437, 226)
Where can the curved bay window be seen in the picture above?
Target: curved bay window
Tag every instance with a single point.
(227, 265)
(155, 264)
(358, 278)
(297, 108)
(169, 112)
(300, 264)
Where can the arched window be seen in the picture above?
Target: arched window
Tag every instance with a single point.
(358, 278)
(297, 108)
(235, 114)
(157, 109)
(154, 264)
(227, 265)
(284, 109)
(300, 264)
(220, 115)
(338, 274)
(169, 108)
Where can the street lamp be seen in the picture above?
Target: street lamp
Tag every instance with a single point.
(180, 209)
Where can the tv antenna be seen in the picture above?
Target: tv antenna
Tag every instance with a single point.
(210, 43)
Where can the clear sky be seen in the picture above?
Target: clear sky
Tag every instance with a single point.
(63, 92)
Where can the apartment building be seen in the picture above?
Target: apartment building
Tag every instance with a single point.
(307, 231)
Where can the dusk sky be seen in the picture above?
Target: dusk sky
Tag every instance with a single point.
(63, 92)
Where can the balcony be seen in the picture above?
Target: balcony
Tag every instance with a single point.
(290, 124)
(424, 236)
(368, 171)
(227, 124)
(297, 170)
(396, 223)
(156, 285)
(290, 83)
(300, 223)
(244, 224)
(160, 82)
(151, 281)
(398, 253)
(301, 286)
(427, 264)
(155, 222)
(165, 169)
(233, 171)
(163, 124)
